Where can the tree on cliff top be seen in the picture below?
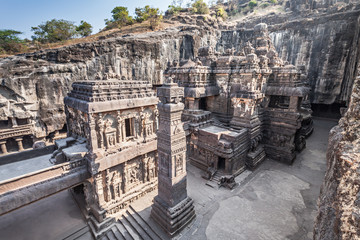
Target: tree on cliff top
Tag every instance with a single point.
(54, 31)
(148, 13)
(120, 18)
(10, 42)
(200, 7)
(84, 29)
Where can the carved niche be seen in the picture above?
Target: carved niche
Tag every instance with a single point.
(179, 166)
(146, 123)
(133, 173)
(107, 131)
(149, 167)
(114, 183)
(110, 131)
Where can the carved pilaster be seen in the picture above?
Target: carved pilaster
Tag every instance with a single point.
(100, 124)
(119, 127)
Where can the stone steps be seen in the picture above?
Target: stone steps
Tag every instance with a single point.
(78, 233)
(131, 226)
(214, 182)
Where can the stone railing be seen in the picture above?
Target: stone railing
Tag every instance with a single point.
(25, 189)
(16, 131)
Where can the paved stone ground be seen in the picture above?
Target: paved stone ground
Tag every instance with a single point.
(276, 201)
(50, 218)
(15, 169)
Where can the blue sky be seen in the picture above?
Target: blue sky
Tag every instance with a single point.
(21, 15)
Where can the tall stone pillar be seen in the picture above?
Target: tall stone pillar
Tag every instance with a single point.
(172, 208)
(3, 147)
(20, 144)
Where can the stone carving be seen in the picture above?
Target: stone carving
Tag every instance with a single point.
(110, 133)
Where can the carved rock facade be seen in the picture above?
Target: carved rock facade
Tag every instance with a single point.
(239, 103)
(118, 119)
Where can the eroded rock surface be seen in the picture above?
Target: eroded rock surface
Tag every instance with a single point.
(339, 201)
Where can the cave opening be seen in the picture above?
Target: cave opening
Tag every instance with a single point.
(327, 110)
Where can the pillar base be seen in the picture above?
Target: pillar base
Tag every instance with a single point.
(99, 229)
(173, 219)
(253, 159)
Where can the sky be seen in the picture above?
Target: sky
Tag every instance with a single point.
(21, 15)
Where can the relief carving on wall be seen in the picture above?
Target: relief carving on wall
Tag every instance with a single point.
(113, 184)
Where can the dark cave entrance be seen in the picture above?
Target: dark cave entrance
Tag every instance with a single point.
(221, 163)
(327, 110)
(202, 103)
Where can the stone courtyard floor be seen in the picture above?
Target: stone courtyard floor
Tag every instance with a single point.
(276, 201)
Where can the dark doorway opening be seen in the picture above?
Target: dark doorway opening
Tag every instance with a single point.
(327, 110)
(221, 163)
(202, 104)
(27, 142)
(129, 127)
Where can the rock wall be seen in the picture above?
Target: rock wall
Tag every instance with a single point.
(324, 45)
(339, 202)
(322, 36)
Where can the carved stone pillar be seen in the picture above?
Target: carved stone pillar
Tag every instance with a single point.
(3, 147)
(172, 208)
(20, 144)
(123, 131)
(13, 122)
(119, 127)
(101, 130)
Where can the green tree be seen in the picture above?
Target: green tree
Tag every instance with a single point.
(220, 12)
(173, 10)
(10, 42)
(84, 29)
(142, 14)
(120, 18)
(200, 7)
(155, 17)
(148, 13)
(252, 4)
(54, 31)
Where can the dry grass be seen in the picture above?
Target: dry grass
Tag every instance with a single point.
(136, 28)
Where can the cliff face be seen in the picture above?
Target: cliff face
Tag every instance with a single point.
(339, 201)
(33, 86)
(325, 47)
(321, 36)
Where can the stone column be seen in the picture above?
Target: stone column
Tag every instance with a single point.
(20, 144)
(13, 122)
(172, 208)
(3, 147)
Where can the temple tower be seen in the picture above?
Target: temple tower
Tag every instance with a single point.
(172, 208)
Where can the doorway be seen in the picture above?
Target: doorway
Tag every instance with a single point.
(221, 163)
